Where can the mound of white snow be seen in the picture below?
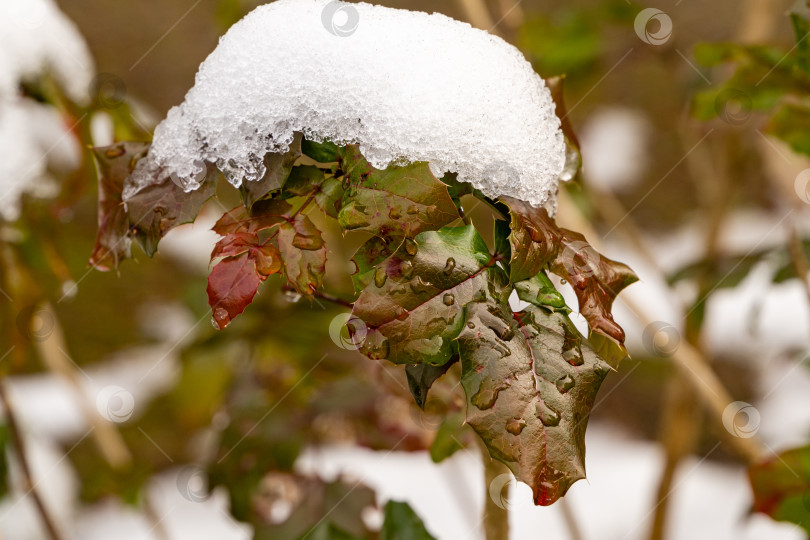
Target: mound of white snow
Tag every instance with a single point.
(406, 86)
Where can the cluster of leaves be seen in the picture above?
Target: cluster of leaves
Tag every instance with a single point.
(430, 290)
(766, 79)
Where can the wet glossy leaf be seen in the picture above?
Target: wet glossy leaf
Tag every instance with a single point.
(397, 201)
(115, 164)
(422, 376)
(538, 244)
(232, 285)
(540, 291)
(263, 215)
(414, 308)
(323, 152)
(278, 166)
(781, 486)
(402, 523)
(530, 382)
(158, 208)
(303, 252)
(369, 256)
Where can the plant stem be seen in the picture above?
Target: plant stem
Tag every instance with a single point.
(570, 520)
(496, 514)
(19, 449)
(332, 298)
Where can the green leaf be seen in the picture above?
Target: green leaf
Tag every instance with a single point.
(303, 180)
(791, 123)
(448, 437)
(402, 523)
(325, 152)
(397, 201)
(278, 166)
(540, 291)
(414, 309)
(530, 382)
(369, 256)
(781, 486)
(800, 18)
(115, 164)
(422, 376)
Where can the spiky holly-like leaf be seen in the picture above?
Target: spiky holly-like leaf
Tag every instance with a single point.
(414, 308)
(530, 382)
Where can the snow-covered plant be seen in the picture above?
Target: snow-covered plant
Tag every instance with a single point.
(384, 123)
(37, 43)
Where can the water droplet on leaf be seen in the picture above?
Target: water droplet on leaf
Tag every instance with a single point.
(565, 383)
(406, 268)
(449, 266)
(411, 247)
(380, 276)
(515, 425)
(547, 415)
(449, 299)
(292, 296)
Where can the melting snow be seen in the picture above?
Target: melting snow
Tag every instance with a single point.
(407, 86)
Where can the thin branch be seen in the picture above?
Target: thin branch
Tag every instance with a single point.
(332, 298)
(22, 456)
(574, 532)
(496, 516)
(53, 353)
(686, 358)
(799, 260)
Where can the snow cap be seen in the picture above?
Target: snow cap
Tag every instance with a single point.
(406, 86)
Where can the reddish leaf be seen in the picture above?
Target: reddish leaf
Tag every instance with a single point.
(268, 259)
(234, 244)
(304, 253)
(263, 215)
(232, 285)
(115, 164)
(537, 243)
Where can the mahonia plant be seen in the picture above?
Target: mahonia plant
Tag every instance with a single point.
(429, 291)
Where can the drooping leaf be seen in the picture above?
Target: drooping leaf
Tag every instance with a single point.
(303, 253)
(422, 376)
(402, 523)
(158, 208)
(530, 382)
(781, 486)
(278, 166)
(115, 164)
(414, 309)
(538, 244)
(396, 201)
(232, 284)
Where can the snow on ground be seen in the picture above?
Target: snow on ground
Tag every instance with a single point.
(478, 108)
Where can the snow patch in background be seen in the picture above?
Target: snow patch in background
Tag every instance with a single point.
(36, 39)
(615, 151)
(407, 86)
